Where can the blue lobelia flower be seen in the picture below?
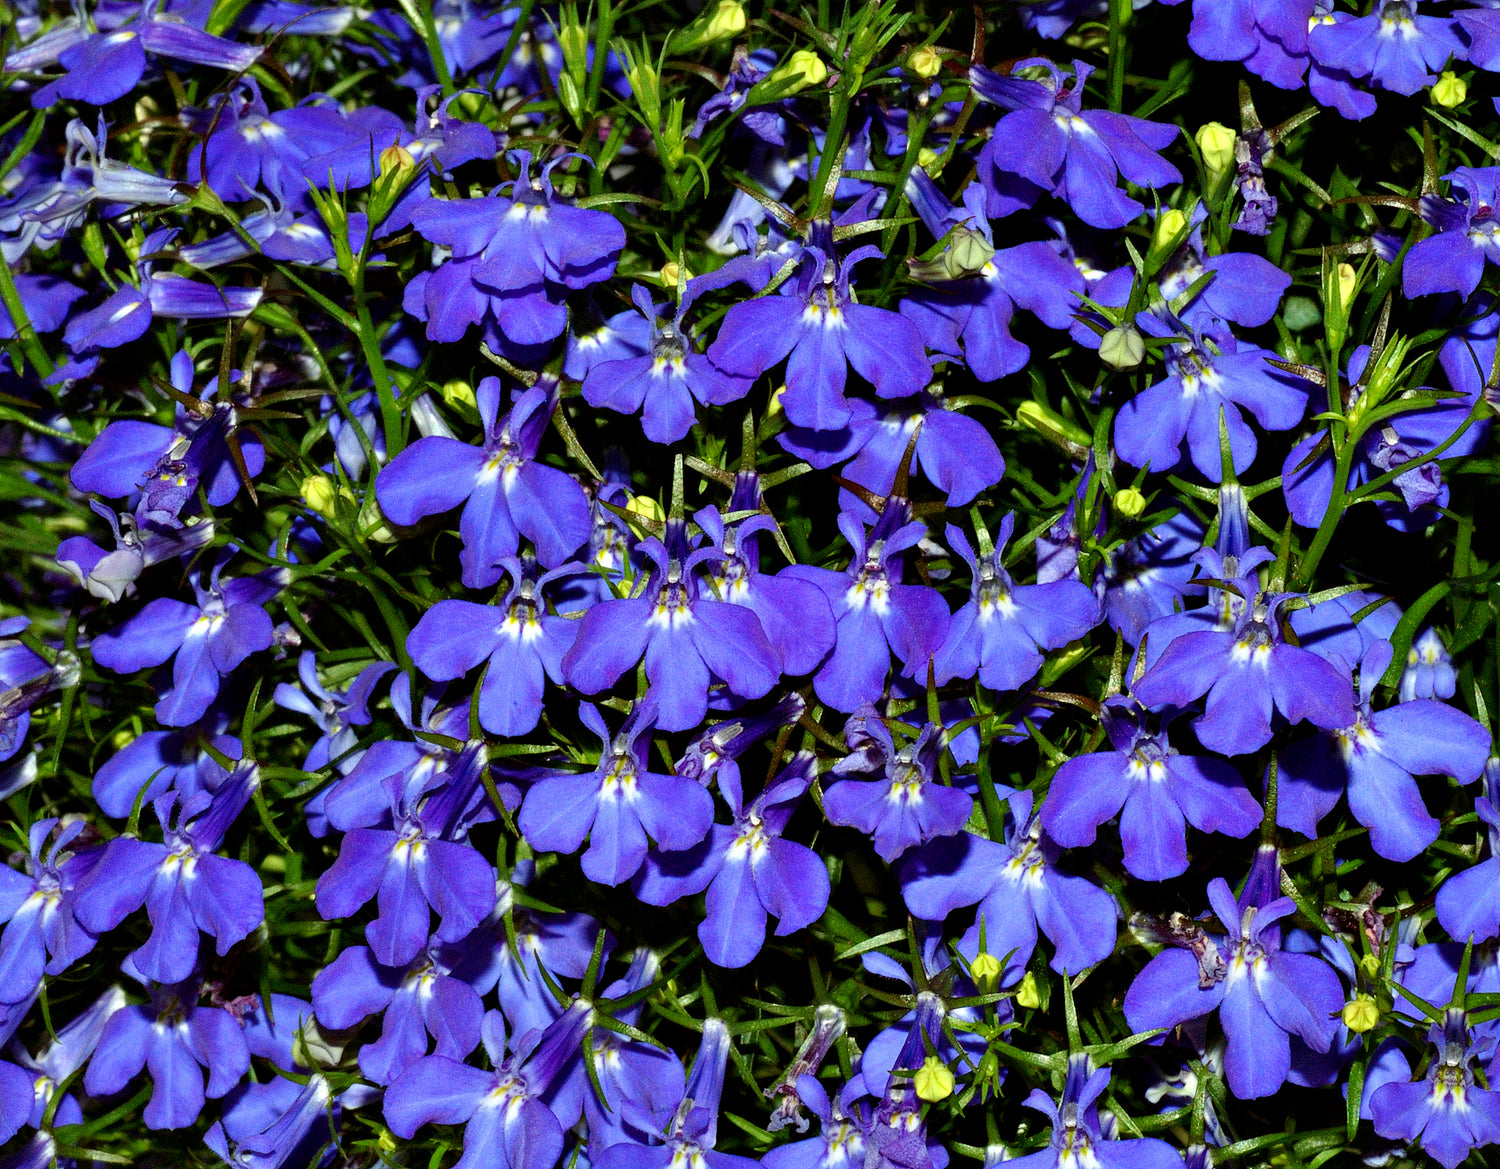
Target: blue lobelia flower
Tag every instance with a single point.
(1246, 666)
(750, 872)
(63, 1056)
(908, 804)
(1428, 672)
(1374, 757)
(26, 678)
(874, 612)
(422, 860)
(690, 1137)
(101, 67)
(1018, 889)
(1447, 1111)
(1395, 47)
(184, 886)
(1211, 378)
(336, 712)
(713, 758)
(138, 544)
(415, 1001)
(298, 1131)
(688, 636)
(156, 762)
(1078, 1134)
(1050, 143)
(1245, 289)
(1468, 236)
(953, 452)
(205, 640)
(1155, 791)
(1263, 994)
(522, 643)
(513, 259)
(616, 805)
(507, 1124)
(664, 380)
(820, 329)
(1468, 904)
(793, 613)
(1002, 632)
(505, 491)
(171, 1036)
(42, 933)
(841, 1140)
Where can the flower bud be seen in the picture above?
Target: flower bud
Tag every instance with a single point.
(460, 395)
(802, 68)
(567, 91)
(1370, 964)
(924, 62)
(396, 157)
(1360, 1014)
(986, 970)
(934, 1081)
(1052, 425)
(1347, 279)
(1216, 143)
(725, 20)
(372, 522)
(321, 495)
(647, 507)
(967, 254)
(1130, 502)
(1169, 225)
(670, 272)
(926, 156)
(1026, 994)
(1122, 348)
(1449, 91)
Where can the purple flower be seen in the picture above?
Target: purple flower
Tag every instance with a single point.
(513, 259)
(42, 934)
(821, 330)
(1078, 1134)
(184, 886)
(665, 379)
(1468, 235)
(1246, 667)
(1262, 993)
(336, 712)
(293, 1135)
(156, 762)
(421, 861)
(1374, 757)
(1018, 889)
(505, 491)
(1447, 1111)
(687, 636)
(1468, 904)
(1211, 378)
(506, 1122)
(953, 452)
(616, 805)
(1393, 46)
(418, 1000)
(750, 872)
(1158, 790)
(170, 1037)
(206, 640)
(1428, 672)
(1245, 289)
(522, 643)
(874, 612)
(908, 804)
(1048, 141)
(26, 678)
(1005, 628)
(841, 1141)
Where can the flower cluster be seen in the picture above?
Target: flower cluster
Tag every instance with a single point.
(589, 587)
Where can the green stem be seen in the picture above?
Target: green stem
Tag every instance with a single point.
(390, 412)
(1332, 516)
(31, 344)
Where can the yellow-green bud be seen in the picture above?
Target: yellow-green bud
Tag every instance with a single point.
(1169, 225)
(1370, 964)
(1347, 279)
(1050, 424)
(122, 739)
(802, 68)
(459, 395)
(927, 156)
(573, 39)
(1026, 994)
(321, 495)
(1130, 503)
(1361, 1014)
(646, 507)
(775, 403)
(1449, 91)
(933, 1080)
(726, 20)
(967, 254)
(567, 90)
(372, 522)
(396, 157)
(670, 272)
(925, 62)
(1216, 143)
(986, 970)
(1122, 348)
